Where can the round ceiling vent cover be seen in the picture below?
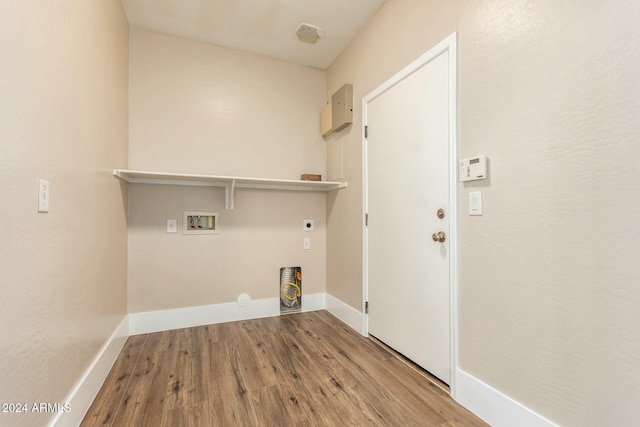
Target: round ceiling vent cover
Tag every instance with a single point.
(308, 33)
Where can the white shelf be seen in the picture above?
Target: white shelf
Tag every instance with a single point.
(230, 183)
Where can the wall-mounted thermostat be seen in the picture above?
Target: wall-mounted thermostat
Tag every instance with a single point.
(473, 168)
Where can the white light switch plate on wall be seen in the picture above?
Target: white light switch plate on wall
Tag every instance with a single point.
(172, 226)
(475, 203)
(43, 195)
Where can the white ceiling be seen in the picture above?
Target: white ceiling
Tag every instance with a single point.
(266, 27)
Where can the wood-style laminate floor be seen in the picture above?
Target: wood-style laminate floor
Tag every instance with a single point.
(305, 369)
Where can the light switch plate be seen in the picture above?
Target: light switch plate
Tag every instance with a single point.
(475, 203)
(43, 196)
(172, 226)
(306, 243)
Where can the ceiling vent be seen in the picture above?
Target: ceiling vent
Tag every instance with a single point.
(308, 33)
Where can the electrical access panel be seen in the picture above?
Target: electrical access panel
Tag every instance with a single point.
(342, 107)
(473, 168)
(338, 114)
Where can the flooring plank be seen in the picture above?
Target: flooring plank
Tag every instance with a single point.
(225, 373)
(185, 384)
(390, 406)
(256, 364)
(133, 403)
(402, 378)
(152, 409)
(279, 406)
(161, 341)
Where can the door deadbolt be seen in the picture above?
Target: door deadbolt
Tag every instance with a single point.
(440, 213)
(439, 236)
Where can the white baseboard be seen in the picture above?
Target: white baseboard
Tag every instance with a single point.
(87, 387)
(494, 407)
(314, 302)
(346, 313)
(165, 320)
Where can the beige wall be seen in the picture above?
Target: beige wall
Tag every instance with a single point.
(63, 117)
(198, 108)
(548, 280)
(263, 233)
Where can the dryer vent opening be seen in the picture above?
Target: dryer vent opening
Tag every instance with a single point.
(290, 289)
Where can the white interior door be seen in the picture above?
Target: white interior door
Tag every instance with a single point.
(407, 180)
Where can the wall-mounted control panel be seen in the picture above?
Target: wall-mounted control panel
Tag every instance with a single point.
(200, 223)
(472, 168)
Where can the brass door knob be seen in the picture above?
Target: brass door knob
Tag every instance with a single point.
(439, 236)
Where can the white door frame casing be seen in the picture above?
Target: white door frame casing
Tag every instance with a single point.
(447, 45)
